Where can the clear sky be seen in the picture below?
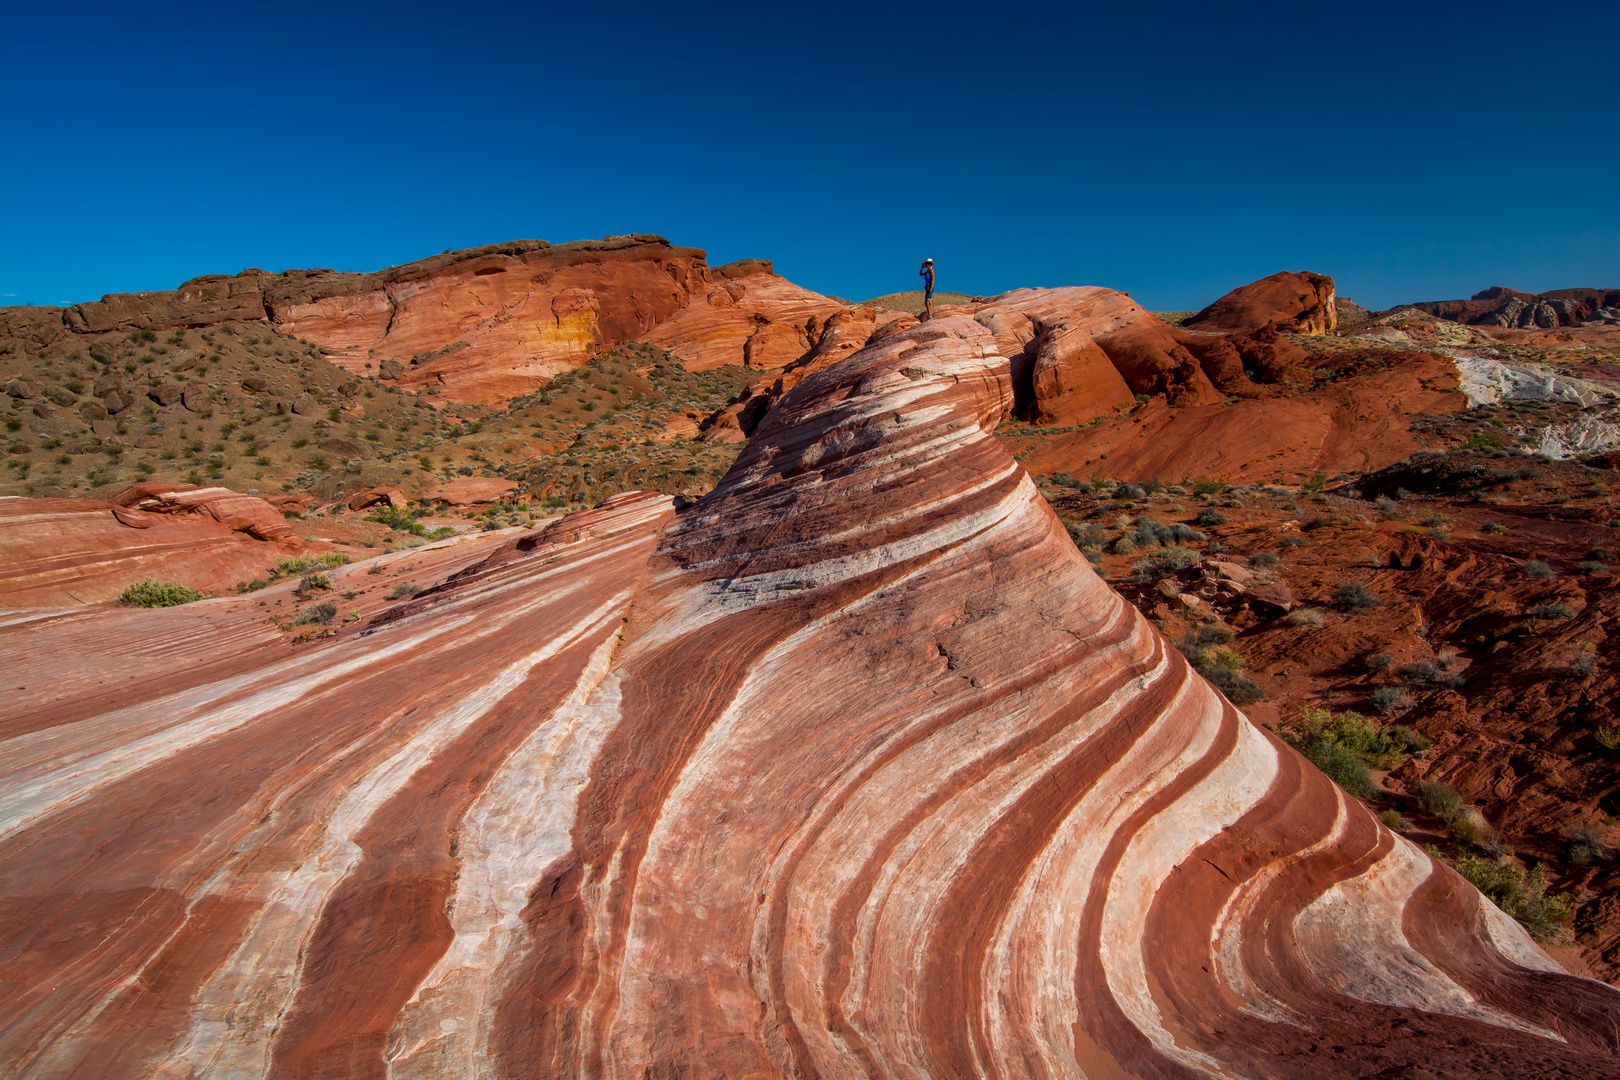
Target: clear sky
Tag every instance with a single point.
(1414, 151)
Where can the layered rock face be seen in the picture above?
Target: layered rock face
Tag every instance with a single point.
(487, 324)
(1299, 301)
(66, 552)
(853, 768)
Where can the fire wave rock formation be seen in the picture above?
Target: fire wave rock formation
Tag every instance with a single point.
(852, 769)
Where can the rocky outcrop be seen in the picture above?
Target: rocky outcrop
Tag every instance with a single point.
(1299, 301)
(69, 552)
(471, 491)
(1354, 424)
(761, 790)
(378, 496)
(237, 512)
(488, 324)
(1501, 306)
(748, 314)
(844, 333)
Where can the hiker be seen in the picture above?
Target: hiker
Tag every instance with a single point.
(927, 274)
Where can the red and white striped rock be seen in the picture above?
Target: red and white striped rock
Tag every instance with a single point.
(853, 768)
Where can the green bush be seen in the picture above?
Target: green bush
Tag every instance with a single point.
(1551, 611)
(404, 592)
(1523, 896)
(1306, 617)
(314, 583)
(1393, 819)
(1221, 667)
(319, 615)
(1344, 767)
(154, 594)
(1535, 568)
(397, 518)
(1346, 745)
(1438, 799)
(1210, 516)
(1264, 559)
(304, 564)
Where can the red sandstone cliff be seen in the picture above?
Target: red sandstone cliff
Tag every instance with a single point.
(487, 324)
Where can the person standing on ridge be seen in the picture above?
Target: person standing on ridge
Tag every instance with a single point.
(927, 274)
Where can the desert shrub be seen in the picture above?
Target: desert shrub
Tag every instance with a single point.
(1208, 485)
(1535, 568)
(395, 517)
(1387, 699)
(1292, 541)
(319, 615)
(304, 564)
(1346, 745)
(441, 532)
(404, 592)
(1387, 505)
(155, 594)
(1164, 561)
(1523, 896)
(1123, 545)
(1261, 560)
(1438, 799)
(1393, 819)
(1209, 516)
(314, 583)
(1221, 667)
(1583, 665)
(1307, 617)
(1379, 661)
(1601, 554)
(1344, 767)
(1495, 528)
(251, 586)
(1087, 536)
(1592, 567)
(1551, 611)
(1585, 846)
(1608, 736)
(1471, 828)
(1354, 598)
(1428, 673)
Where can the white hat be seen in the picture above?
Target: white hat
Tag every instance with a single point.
(928, 260)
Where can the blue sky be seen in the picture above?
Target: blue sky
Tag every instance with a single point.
(1413, 151)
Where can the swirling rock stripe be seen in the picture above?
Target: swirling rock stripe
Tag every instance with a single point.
(852, 769)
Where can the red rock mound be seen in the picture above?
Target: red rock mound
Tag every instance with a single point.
(1300, 301)
(762, 791)
(64, 552)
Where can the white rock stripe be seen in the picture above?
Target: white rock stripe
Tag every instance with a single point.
(98, 752)
(1219, 799)
(1348, 939)
(236, 1013)
(512, 832)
